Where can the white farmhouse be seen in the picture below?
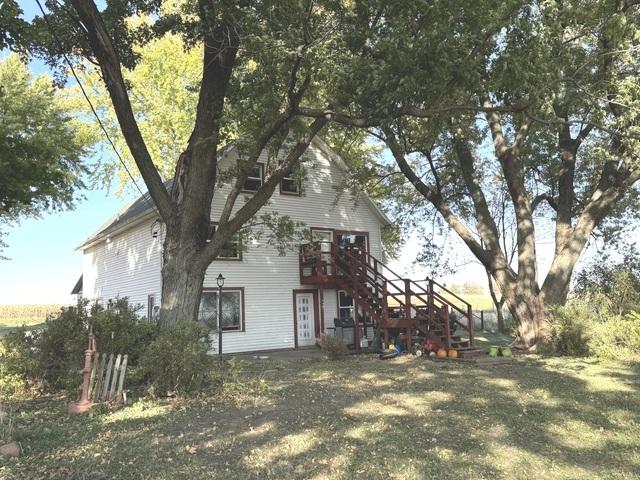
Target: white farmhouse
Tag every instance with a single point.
(335, 284)
(266, 305)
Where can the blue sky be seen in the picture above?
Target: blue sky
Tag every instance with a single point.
(44, 265)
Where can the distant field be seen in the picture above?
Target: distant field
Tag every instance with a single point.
(16, 315)
(477, 301)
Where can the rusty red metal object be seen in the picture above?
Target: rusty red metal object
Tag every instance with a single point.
(84, 404)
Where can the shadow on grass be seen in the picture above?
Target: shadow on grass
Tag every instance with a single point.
(365, 418)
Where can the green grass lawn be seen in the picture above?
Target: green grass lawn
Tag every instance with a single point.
(363, 418)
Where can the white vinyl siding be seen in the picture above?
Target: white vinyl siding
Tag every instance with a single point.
(128, 265)
(268, 279)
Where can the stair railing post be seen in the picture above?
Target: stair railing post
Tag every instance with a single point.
(356, 317)
(430, 301)
(447, 325)
(407, 311)
(471, 325)
(407, 299)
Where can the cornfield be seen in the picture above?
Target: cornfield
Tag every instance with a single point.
(11, 315)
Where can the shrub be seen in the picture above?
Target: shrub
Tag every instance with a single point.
(177, 361)
(570, 327)
(617, 338)
(61, 347)
(582, 328)
(120, 330)
(52, 357)
(19, 363)
(333, 347)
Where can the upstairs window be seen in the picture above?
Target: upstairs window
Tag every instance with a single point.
(291, 182)
(254, 179)
(232, 309)
(232, 250)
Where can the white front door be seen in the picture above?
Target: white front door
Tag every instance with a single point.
(305, 314)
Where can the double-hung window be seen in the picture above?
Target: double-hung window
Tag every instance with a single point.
(232, 250)
(255, 177)
(291, 183)
(232, 309)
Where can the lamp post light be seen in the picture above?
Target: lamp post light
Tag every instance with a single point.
(220, 281)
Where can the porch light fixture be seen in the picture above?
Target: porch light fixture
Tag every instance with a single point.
(220, 281)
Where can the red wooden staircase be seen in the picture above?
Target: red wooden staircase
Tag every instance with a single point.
(398, 307)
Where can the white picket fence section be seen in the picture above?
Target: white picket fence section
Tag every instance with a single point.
(107, 377)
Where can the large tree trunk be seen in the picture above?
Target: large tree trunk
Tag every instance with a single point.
(526, 304)
(533, 328)
(182, 278)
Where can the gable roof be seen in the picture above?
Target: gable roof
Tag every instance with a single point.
(77, 289)
(143, 207)
(132, 213)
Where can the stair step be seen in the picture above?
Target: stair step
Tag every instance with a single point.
(469, 352)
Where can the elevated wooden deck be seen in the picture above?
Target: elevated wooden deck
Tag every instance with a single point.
(396, 305)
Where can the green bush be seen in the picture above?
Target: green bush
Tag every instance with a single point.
(120, 330)
(51, 358)
(60, 348)
(18, 364)
(177, 361)
(333, 347)
(603, 317)
(582, 328)
(570, 329)
(618, 337)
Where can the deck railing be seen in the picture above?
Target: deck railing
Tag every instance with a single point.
(401, 298)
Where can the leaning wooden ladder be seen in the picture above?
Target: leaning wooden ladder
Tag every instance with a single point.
(107, 377)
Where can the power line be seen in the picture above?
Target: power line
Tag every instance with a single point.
(86, 96)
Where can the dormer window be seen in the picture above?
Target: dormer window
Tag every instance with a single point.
(291, 182)
(254, 179)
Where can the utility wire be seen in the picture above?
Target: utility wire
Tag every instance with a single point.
(86, 96)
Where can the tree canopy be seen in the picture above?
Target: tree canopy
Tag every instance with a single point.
(537, 99)
(535, 103)
(42, 145)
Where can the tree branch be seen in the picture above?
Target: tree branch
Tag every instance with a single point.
(412, 111)
(256, 202)
(544, 197)
(294, 96)
(514, 176)
(485, 223)
(491, 261)
(107, 57)
(221, 44)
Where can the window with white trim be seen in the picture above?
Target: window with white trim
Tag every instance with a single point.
(291, 183)
(254, 179)
(232, 309)
(232, 250)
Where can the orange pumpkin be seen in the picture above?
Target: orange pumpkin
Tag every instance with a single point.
(453, 353)
(442, 353)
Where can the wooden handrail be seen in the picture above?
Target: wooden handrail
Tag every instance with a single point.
(448, 291)
(368, 274)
